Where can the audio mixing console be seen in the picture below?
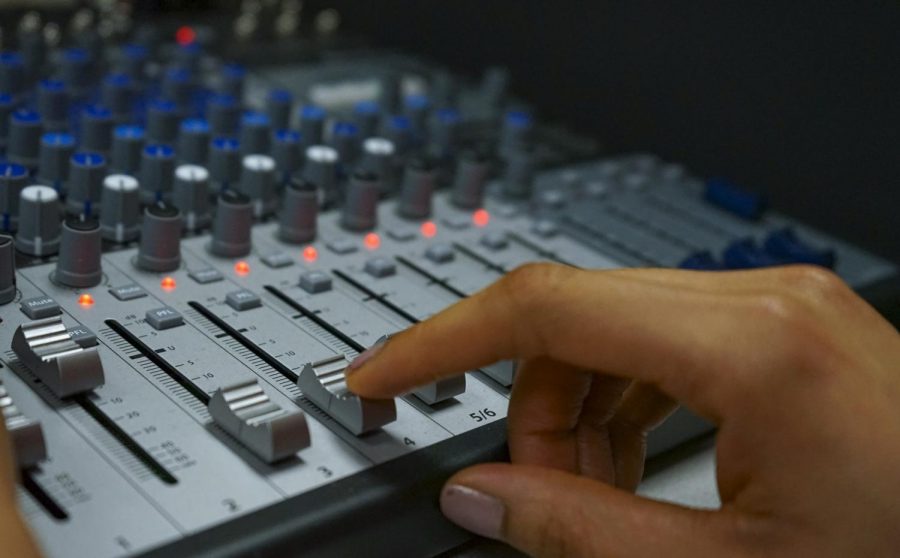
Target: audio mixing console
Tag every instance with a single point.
(194, 251)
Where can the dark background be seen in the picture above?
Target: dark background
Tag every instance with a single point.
(798, 99)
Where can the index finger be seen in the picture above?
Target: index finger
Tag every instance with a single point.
(692, 344)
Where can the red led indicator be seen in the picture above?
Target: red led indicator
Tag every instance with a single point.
(429, 229)
(185, 35)
(86, 300)
(167, 284)
(310, 254)
(481, 218)
(372, 241)
(242, 268)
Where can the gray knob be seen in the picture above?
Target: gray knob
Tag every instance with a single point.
(128, 144)
(117, 93)
(367, 115)
(191, 196)
(7, 270)
(321, 169)
(516, 131)
(518, 180)
(193, 141)
(13, 179)
(419, 181)
(157, 173)
(299, 210)
(24, 138)
(12, 73)
(56, 150)
(471, 178)
(346, 140)
(162, 122)
(418, 110)
(445, 132)
(224, 114)
(278, 107)
(76, 70)
(120, 208)
(133, 60)
(233, 77)
(96, 129)
(160, 248)
(312, 124)
(258, 183)
(286, 152)
(38, 221)
(85, 183)
(79, 253)
(232, 224)
(256, 133)
(53, 104)
(378, 158)
(7, 107)
(178, 87)
(361, 205)
(224, 162)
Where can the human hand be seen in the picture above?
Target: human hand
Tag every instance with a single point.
(14, 534)
(800, 375)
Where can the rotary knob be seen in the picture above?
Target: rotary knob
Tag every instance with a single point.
(53, 104)
(7, 269)
(419, 182)
(233, 77)
(191, 196)
(160, 247)
(128, 143)
(300, 208)
(378, 158)
(232, 224)
(178, 87)
(258, 183)
(12, 73)
(278, 107)
(367, 115)
(13, 179)
(162, 122)
(38, 221)
(117, 93)
(120, 208)
(345, 140)
(286, 152)
(312, 124)
(256, 133)
(79, 253)
(56, 150)
(321, 170)
(24, 138)
(193, 141)
(471, 178)
(518, 181)
(85, 183)
(96, 129)
(224, 162)
(157, 173)
(361, 205)
(224, 114)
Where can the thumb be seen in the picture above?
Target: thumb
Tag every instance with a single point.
(545, 512)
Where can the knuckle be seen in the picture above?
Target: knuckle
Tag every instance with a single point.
(524, 295)
(817, 283)
(525, 284)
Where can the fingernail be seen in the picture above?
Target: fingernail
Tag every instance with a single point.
(367, 355)
(473, 510)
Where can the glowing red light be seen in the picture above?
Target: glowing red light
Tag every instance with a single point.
(242, 268)
(310, 254)
(372, 241)
(185, 35)
(167, 284)
(429, 229)
(86, 300)
(481, 218)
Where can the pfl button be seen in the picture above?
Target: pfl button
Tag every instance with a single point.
(164, 318)
(381, 267)
(440, 253)
(243, 300)
(494, 241)
(315, 282)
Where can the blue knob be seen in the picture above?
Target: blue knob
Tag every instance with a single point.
(445, 132)
(188, 57)
(56, 150)
(346, 141)
(86, 176)
(256, 133)
(312, 124)
(286, 150)
(418, 109)
(193, 141)
(157, 173)
(96, 129)
(128, 141)
(224, 115)
(734, 199)
(25, 128)
(178, 87)
(13, 179)
(53, 104)
(224, 162)
(12, 73)
(133, 61)
(76, 70)
(399, 130)
(278, 107)
(233, 76)
(516, 131)
(367, 115)
(7, 106)
(162, 122)
(117, 94)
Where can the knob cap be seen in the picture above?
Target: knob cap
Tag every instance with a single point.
(378, 158)
(79, 254)
(7, 270)
(160, 247)
(278, 107)
(157, 173)
(38, 221)
(312, 124)
(471, 178)
(56, 150)
(13, 179)
(321, 170)
(232, 224)
(127, 147)
(24, 138)
(85, 183)
(300, 208)
(419, 181)
(193, 141)
(96, 129)
(53, 104)
(120, 208)
(518, 180)
(191, 196)
(360, 208)
(258, 183)
(162, 122)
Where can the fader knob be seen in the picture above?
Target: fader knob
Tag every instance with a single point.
(160, 247)
(360, 207)
(79, 253)
(56, 150)
(191, 196)
(299, 210)
(85, 183)
(24, 138)
(418, 186)
(518, 180)
(96, 129)
(378, 158)
(471, 178)
(120, 208)
(7, 269)
(193, 141)
(157, 173)
(258, 183)
(321, 169)
(232, 224)
(128, 143)
(38, 221)
(53, 104)
(13, 179)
